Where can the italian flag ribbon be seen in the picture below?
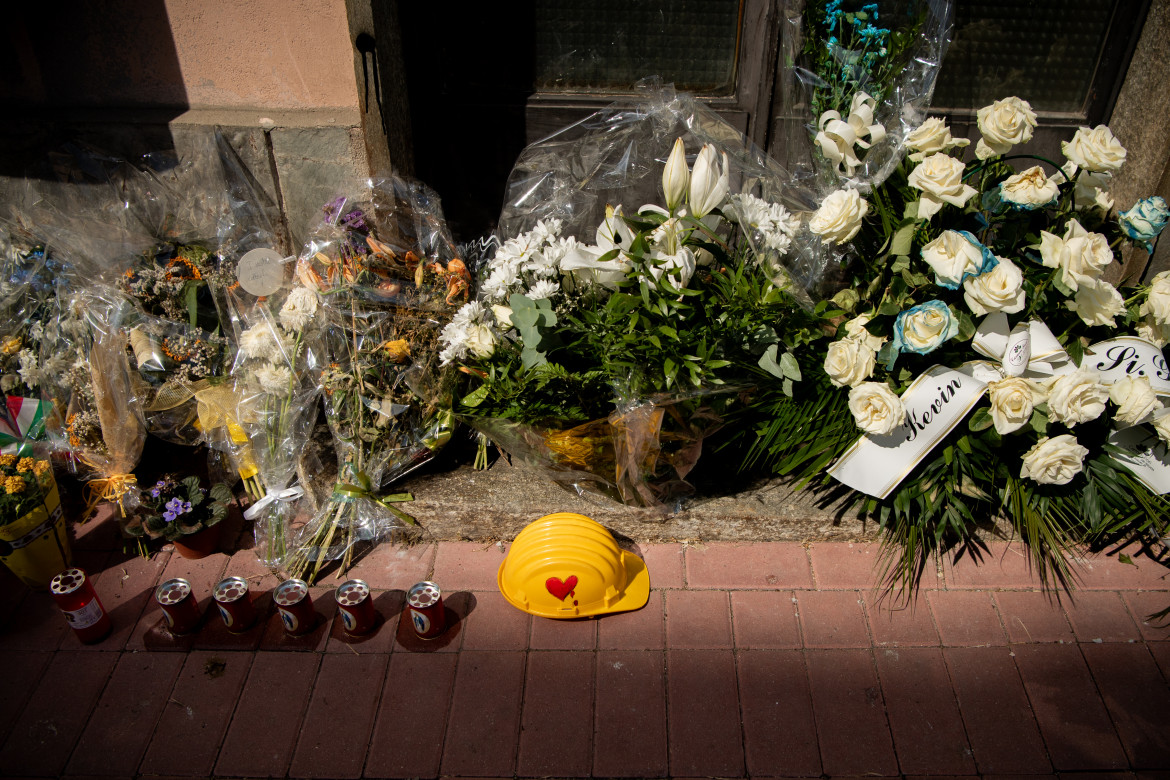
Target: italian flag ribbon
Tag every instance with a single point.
(21, 422)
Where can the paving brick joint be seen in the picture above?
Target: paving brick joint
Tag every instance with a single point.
(771, 659)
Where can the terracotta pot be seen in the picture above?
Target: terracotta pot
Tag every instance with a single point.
(201, 544)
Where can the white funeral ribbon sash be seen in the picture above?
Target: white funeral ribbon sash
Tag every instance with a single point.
(1147, 456)
(940, 398)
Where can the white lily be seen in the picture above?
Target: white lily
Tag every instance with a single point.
(675, 175)
(709, 185)
(838, 136)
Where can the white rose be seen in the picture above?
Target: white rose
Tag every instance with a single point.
(1077, 397)
(1154, 332)
(1054, 461)
(1135, 399)
(1030, 188)
(839, 217)
(855, 329)
(876, 409)
(1000, 289)
(480, 340)
(299, 307)
(1004, 124)
(930, 137)
(848, 362)
(952, 258)
(1012, 402)
(924, 328)
(1097, 303)
(941, 180)
(1092, 189)
(1079, 254)
(503, 316)
(1162, 425)
(1095, 150)
(1157, 303)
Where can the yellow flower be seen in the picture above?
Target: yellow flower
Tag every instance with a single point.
(11, 346)
(7, 460)
(14, 485)
(25, 465)
(41, 468)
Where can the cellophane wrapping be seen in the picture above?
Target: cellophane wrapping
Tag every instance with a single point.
(839, 50)
(269, 410)
(569, 205)
(30, 273)
(385, 271)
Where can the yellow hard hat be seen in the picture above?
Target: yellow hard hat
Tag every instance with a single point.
(568, 566)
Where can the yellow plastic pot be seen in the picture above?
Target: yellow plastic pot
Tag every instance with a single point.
(568, 566)
(36, 545)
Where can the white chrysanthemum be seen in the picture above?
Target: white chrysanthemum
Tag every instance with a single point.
(274, 379)
(36, 331)
(545, 288)
(544, 263)
(545, 230)
(470, 313)
(260, 342)
(454, 339)
(774, 222)
(298, 309)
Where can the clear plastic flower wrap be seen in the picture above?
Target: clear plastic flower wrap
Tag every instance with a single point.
(100, 392)
(268, 411)
(867, 70)
(649, 263)
(180, 227)
(385, 270)
(29, 275)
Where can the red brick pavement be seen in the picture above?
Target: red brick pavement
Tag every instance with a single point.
(750, 660)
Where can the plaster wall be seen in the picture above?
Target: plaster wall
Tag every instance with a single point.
(274, 54)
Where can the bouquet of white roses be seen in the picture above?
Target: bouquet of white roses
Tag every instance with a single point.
(646, 257)
(985, 357)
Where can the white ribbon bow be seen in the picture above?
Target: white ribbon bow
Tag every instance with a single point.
(837, 137)
(1029, 349)
(286, 495)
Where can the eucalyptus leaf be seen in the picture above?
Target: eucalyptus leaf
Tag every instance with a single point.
(790, 367)
(768, 362)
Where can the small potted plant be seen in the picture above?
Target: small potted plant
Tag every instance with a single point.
(33, 541)
(184, 513)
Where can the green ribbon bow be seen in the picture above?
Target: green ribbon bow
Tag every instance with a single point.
(348, 491)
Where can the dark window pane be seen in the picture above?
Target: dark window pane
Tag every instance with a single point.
(1044, 51)
(607, 45)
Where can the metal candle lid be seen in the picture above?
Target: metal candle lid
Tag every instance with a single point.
(290, 592)
(352, 592)
(231, 589)
(67, 581)
(424, 594)
(172, 591)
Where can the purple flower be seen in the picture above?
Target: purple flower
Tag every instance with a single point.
(169, 516)
(175, 506)
(155, 492)
(186, 507)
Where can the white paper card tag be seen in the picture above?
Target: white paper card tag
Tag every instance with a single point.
(935, 402)
(261, 272)
(1148, 457)
(1129, 356)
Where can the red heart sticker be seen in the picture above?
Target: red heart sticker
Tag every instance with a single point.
(561, 589)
